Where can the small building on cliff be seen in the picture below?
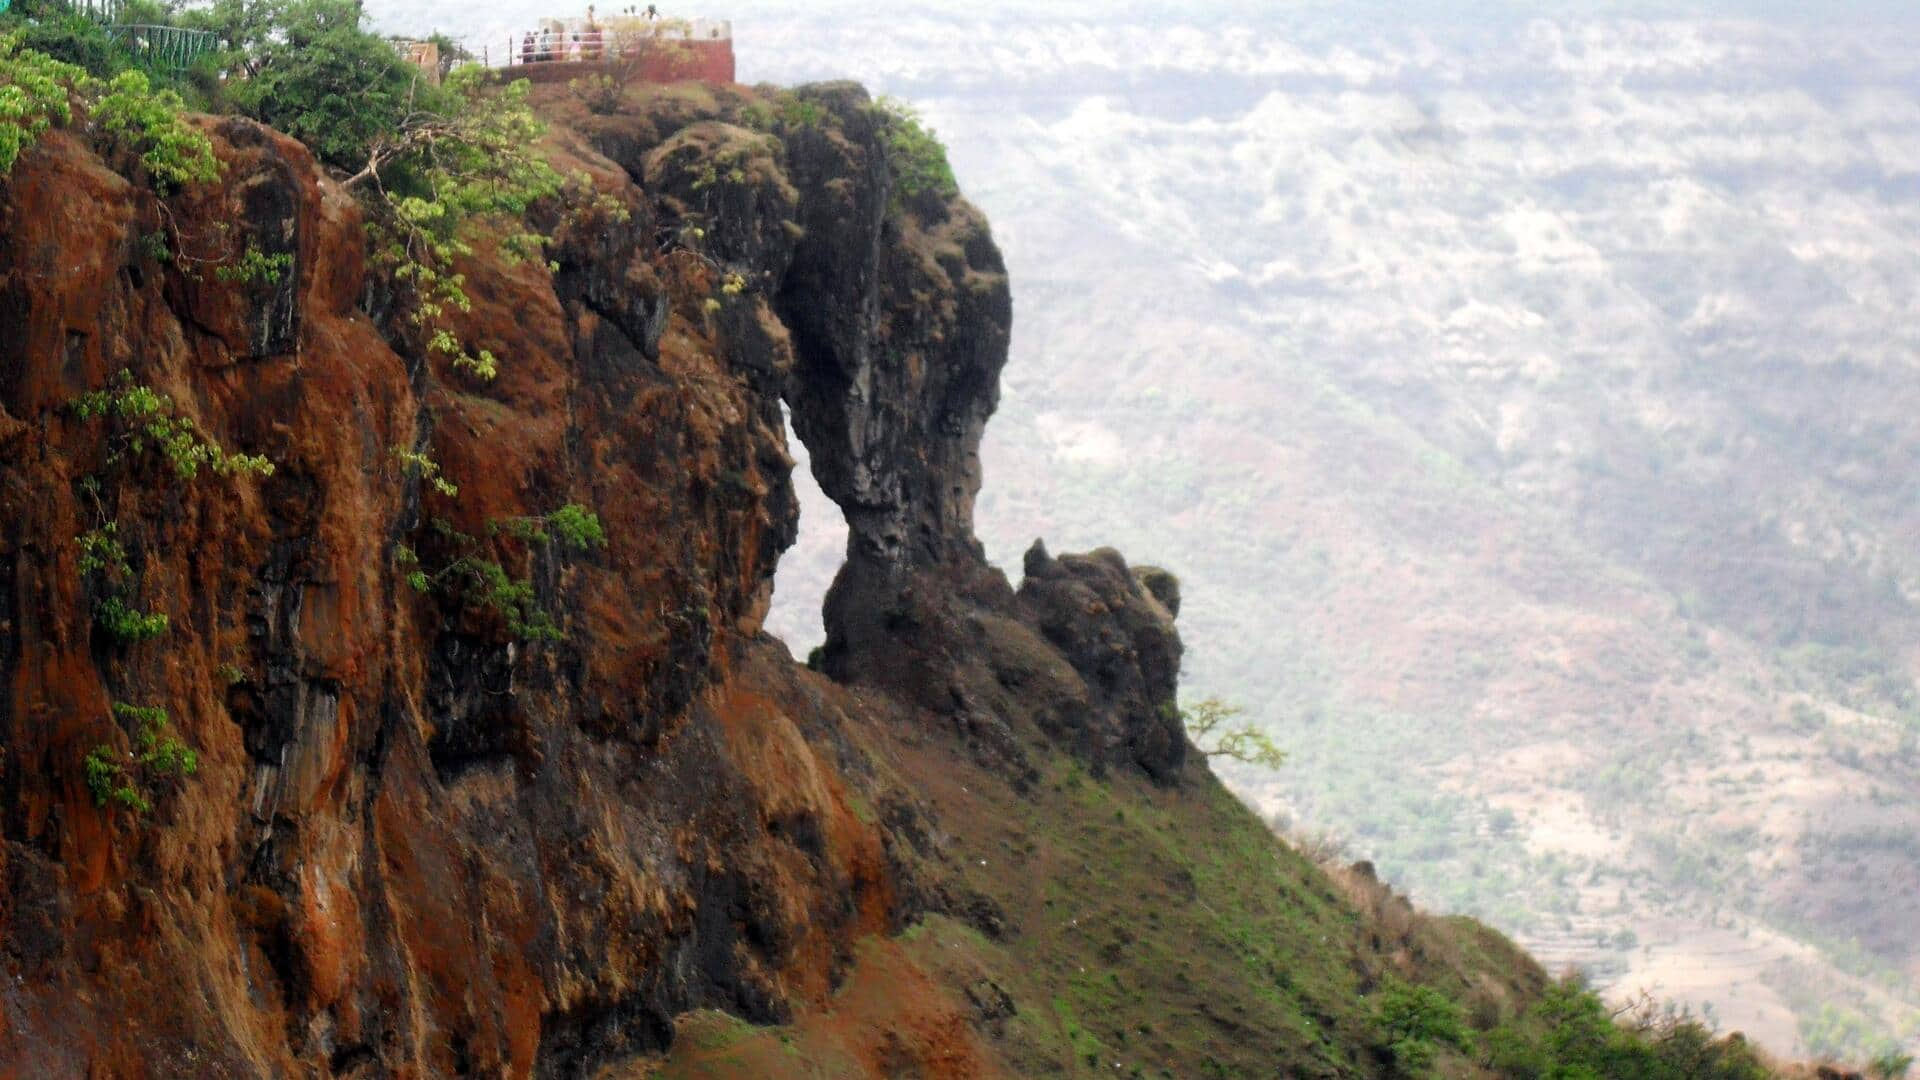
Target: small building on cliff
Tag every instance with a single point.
(649, 49)
(424, 55)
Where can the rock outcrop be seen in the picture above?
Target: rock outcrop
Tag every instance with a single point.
(421, 840)
(1118, 635)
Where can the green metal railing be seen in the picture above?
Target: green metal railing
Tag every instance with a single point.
(168, 48)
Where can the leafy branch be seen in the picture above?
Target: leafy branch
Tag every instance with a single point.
(481, 583)
(256, 266)
(36, 92)
(106, 571)
(418, 465)
(146, 421)
(1211, 724)
(575, 526)
(126, 779)
(456, 159)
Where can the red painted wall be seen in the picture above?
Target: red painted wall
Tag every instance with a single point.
(702, 61)
(705, 61)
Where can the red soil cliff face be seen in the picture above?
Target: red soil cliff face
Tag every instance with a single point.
(417, 845)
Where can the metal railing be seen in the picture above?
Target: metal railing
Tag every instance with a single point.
(106, 11)
(168, 48)
(544, 46)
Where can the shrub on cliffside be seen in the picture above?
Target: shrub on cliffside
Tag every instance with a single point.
(1415, 1023)
(914, 154)
(37, 93)
(313, 72)
(33, 96)
(148, 120)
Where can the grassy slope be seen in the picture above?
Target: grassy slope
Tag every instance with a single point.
(1149, 933)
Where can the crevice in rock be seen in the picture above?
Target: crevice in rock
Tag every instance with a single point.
(800, 583)
(470, 699)
(576, 1042)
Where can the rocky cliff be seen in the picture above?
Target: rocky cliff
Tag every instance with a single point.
(465, 798)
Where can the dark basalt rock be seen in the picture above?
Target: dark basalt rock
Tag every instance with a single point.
(900, 330)
(900, 322)
(1120, 638)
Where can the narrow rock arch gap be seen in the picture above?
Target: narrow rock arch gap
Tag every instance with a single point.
(806, 571)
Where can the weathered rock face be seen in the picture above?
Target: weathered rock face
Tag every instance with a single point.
(895, 383)
(1119, 637)
(418, 843)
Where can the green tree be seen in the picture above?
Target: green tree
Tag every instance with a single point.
(33, 96)
(1570, 1034)
(1414, 1022)
(438, 166)
(157, 756)
(312, 71)
(915, 155)
(1213, 727)
(443, 177)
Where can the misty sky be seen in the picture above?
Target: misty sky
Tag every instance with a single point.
(774, 37)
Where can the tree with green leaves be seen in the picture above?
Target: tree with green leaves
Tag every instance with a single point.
(1414, 1023)
(1569, 1033)
(1213, 727)
(437, 166)
(126, 779)
(915, 155)
(37, 93)
(463, 159)
(311, 70)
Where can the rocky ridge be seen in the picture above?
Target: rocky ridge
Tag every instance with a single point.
(416, 843)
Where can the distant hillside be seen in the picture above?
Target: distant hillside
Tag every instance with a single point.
(1531, 413)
